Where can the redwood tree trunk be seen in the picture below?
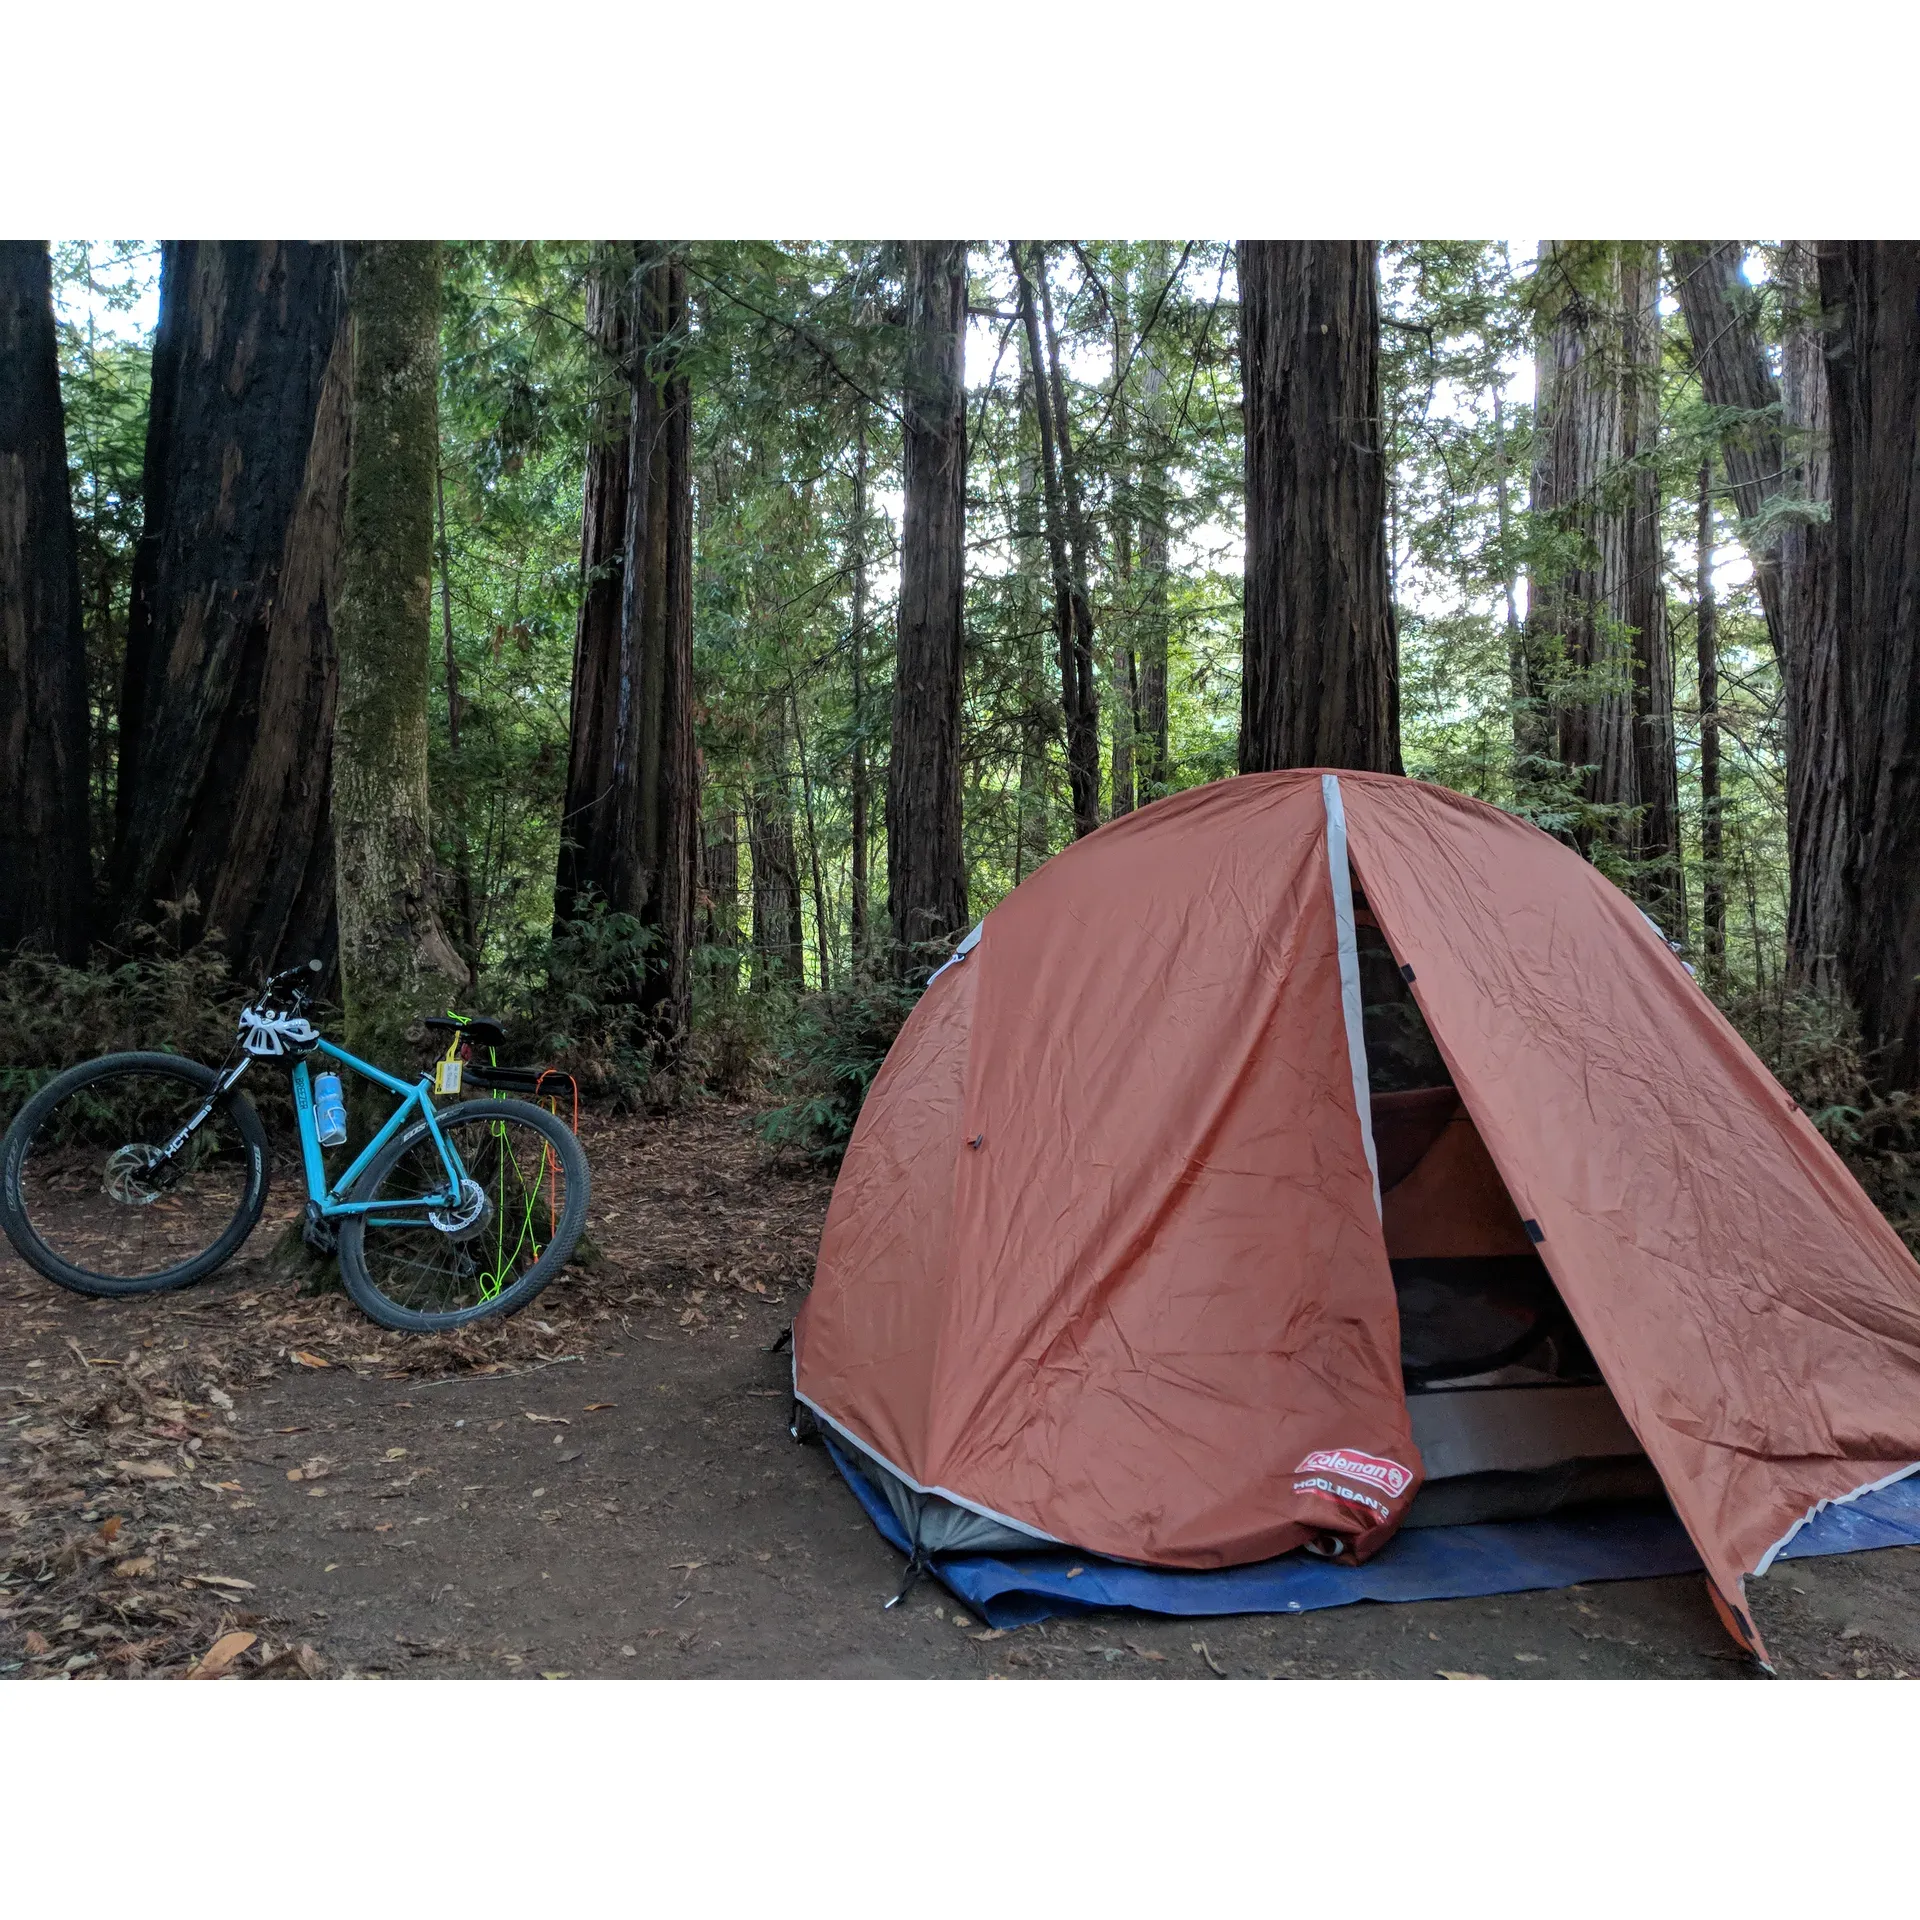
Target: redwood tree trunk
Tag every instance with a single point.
(1319, 675)
(585, 824)
(859, 782)
(227, 707)
(1774, 446)
(633, 810)
(1817, 928)
(1872, 290)
(1656, 775)
(1596, 643)
(1723, 319)
(46, 885)
(926, 863)
(1072, 618)
(1713, 909)
(395, 960)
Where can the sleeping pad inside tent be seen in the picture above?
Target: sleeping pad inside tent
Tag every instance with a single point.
(1316, 1187)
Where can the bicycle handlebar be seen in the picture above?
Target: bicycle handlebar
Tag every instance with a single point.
(292, 973)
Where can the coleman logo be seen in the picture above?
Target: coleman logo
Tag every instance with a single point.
(1387, 1476)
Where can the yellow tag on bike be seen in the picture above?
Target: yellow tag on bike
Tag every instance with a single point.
(447, 1076)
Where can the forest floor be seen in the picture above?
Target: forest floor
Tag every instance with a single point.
(247, 1479)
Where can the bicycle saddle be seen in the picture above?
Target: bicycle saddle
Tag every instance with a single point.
(483, 1033)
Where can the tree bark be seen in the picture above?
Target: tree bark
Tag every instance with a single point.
(1817, 928)
(720, 892)
(1713, 909)
(1722, 314)
(1656, 829)
(1775, 450)
(1120, 651)
(395, 960)
(1072, 617)
(586, 822)
(1320, 671)
(779, 942)
(1872, 291)
(46, 883)
(926, 861)
(633, 808)
(1154, 767)
(227, 706)
(1597, 646)
(859, 796)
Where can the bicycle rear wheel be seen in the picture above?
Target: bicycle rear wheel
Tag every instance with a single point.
(88, 1199)
(523, 1212)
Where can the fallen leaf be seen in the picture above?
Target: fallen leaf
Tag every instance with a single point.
(572, 1453)
(147, 1469)
(684, 1566)
(547, 1419)
(556, 1676)
(1530, 1656)
(294, 1473)
(396, 1453)
(317, 1468)
(301, 1358)
(38, 1642)
(222, 1486)
(219, 1658)
(1446, 1674)
(1145, 1653)
(330, 1567)
(135, 1569)
(992, 1633)
(110, 1526)
(224, 1401)
(226, 1580)
(599, 1406)
(1200, 1647)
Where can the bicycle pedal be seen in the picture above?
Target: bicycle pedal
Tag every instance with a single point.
(318, 1231)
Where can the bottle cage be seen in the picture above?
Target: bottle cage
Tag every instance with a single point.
(269, 1034)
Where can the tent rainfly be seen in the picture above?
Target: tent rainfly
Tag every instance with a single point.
(1137, 1249)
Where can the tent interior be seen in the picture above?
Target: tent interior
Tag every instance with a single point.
(1508, 1408)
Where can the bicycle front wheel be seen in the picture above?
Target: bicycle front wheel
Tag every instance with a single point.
(89, 1199)
(522, 1211)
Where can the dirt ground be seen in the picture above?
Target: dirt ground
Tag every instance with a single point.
(248, 1480)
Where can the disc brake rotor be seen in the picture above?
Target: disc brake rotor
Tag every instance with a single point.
(470, 1218)
(126, 1178)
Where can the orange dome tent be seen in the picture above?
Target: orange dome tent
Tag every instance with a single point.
(1112, 1261)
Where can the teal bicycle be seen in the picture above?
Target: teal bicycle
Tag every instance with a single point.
(142, 1172)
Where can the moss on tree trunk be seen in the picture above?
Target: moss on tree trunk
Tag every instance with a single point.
(395, 960)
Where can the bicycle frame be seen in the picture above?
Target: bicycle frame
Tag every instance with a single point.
(329, 1200)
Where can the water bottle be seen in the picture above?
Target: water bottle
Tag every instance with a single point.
(329, 1110)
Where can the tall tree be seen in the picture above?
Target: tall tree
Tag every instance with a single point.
(1872, 291)
(1656, 773)
(228, 699)
(586, 821)
(633, 783)
(859, 795)
(46, 885)
(1066, 553)
(1154, 765)
(1773, 442)
(926, 862)
(395, 960)
(1319, 681)
(1817, 775)
(1706, 612)
(1597, 647)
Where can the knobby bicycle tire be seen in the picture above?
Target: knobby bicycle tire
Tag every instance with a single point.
(26, 1125)
(562, 1238)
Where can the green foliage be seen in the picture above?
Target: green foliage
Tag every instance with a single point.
(153, 999)
(1811, 1044)
(826, 1061)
